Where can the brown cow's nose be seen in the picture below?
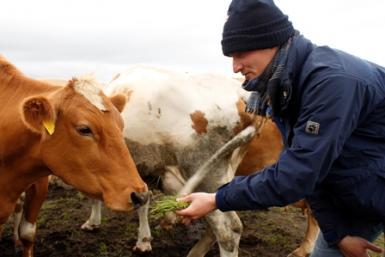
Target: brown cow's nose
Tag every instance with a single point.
(138, 199)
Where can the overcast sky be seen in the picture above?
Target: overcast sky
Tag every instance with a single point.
(61, 39)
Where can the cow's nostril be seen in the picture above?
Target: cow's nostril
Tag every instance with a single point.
(138, 199)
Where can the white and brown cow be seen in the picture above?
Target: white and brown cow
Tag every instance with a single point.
(174, 122)
(74, 132)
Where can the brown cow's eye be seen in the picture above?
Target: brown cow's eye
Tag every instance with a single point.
(84, 130)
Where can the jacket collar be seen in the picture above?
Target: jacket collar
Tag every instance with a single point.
(290, 83)
(298, 54)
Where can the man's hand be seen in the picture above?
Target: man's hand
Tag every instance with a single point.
(354, 246)
(200, 205)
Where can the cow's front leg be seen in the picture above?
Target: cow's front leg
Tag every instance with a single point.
(34, 198)
(17, 216)
(143, 244)
(204, 244)
(227, 229)
(312, 231)
(172, 182)
(94, 221)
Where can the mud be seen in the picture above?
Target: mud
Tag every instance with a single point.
(274, 232)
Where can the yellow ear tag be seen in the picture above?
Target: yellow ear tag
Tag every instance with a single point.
(49, 126)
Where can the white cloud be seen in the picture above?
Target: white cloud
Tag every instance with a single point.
(46, 38)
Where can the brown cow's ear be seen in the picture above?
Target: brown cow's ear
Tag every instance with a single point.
(38, 114)
(119, 101)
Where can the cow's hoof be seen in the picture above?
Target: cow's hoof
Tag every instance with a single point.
(90, 227)
(143, 247)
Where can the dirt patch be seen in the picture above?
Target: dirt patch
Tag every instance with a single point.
(266, 233)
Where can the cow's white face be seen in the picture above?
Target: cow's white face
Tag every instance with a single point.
(92, 91)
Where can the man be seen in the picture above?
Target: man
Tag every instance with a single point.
(330, 108)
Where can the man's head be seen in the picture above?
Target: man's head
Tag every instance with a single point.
(254, 30)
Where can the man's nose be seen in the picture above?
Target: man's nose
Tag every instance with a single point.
(237, 65)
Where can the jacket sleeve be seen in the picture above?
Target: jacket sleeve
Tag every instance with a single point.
(335, 103)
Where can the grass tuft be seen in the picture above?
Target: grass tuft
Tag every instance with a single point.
(165, 205)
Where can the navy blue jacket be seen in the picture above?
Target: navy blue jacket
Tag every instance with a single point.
(334, 132)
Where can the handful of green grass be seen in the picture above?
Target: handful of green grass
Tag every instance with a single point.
(166, 204)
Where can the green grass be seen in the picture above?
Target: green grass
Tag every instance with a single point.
(379, 242)
(165, 205)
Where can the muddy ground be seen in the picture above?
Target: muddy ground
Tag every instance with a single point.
(274, 232)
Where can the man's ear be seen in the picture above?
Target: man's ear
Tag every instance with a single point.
(120, 100)
(38, 114)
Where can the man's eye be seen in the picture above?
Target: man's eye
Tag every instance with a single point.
(84, 130)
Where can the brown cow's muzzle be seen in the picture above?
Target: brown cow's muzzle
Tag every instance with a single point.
(139, 199)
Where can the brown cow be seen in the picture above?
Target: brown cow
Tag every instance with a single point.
(74, 132)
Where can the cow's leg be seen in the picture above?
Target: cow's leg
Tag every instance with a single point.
(226, 229)
(143, 244)
(312, 230)
(218, 230)
(94, 220)
(17, 216)
(204, 244)
(35, 196)
(172, 180)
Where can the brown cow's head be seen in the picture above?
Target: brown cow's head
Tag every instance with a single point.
(82, 142)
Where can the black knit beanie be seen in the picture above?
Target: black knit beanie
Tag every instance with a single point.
(254, 24)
